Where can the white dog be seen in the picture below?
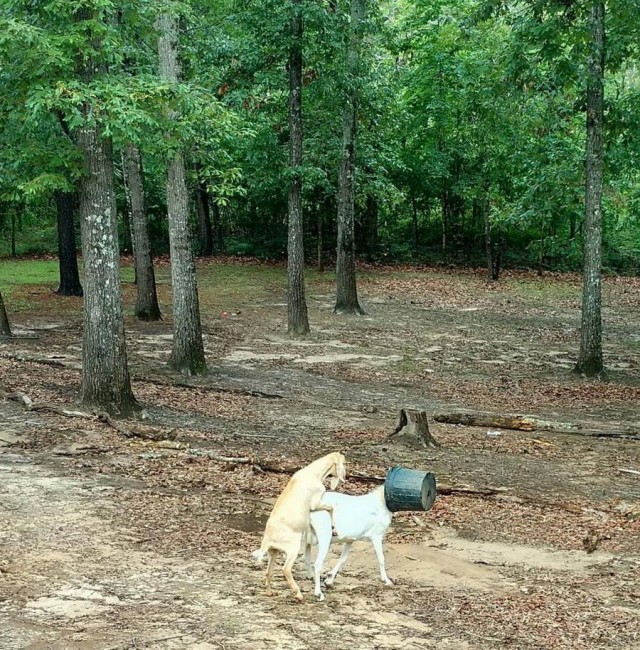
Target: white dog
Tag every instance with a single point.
(355, 518)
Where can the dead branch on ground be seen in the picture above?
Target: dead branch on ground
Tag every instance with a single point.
(527, 423)
(101, 416)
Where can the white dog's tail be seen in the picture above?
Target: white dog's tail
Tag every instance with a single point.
(258, 555)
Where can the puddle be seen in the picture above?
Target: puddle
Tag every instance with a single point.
(246, 522)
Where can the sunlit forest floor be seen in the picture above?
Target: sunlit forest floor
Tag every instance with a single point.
(137, 538)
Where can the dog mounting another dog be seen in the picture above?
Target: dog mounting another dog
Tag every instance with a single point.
(288, 524)
(305, 515)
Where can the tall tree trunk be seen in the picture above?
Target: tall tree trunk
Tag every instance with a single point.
(298, 320)
(13, 233)
(444, 201)
(105, 377)
(129, 216)
(370, 226)
(320, 240)
(590, 360)
(416, 229)
(5, 328)
(204, 216)
(347, 294)
(488, 245)
(187, 354)
(147, 307)
(67, 259)
(217, 226)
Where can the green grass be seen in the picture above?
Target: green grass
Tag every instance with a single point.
(20, 272)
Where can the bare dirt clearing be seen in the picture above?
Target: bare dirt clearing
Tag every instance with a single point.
(115, 543)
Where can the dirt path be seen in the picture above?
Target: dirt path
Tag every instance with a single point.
(110, 543)
(74, 577)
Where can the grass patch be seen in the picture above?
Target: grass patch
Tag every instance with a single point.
(21, 272)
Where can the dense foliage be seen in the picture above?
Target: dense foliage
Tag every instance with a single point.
(471, 123)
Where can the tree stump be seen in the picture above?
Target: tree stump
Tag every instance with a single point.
(413, 430)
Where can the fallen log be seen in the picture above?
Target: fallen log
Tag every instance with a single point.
(528, 423)
(517, 422)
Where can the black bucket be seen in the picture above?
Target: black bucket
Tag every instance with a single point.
(409, 489)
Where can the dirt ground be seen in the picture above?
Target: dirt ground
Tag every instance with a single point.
(111, 542)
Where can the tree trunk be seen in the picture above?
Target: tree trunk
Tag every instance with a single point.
(416, 230)
(487, 240)
(370, 226)
(187, 354)
(445, 219)
(5, 328)
(147, 307)
(105, 377)
(298, 320)
(347, 294)
(217, 225)
(320, 241)
(413, 430)
(204, 216)
(67, 259)
(13, 233)
(590, 362)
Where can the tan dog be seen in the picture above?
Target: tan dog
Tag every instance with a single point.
(288, 522)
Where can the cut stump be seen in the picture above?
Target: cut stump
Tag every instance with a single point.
(413, 430)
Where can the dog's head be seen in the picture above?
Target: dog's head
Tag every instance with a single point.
(338, 469)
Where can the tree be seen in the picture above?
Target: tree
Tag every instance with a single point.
(68, 261)
(147, 307)
(187, 354)
(5, 328)
(105, 375)
(296, 301)
(204, 215)
(590, 360)
(347, 294)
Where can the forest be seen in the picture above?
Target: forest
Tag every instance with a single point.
(238, 235)
(471, 125)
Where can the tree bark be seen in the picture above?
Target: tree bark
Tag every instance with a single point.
(370, 226)
(147, 307)
(217, 226)
(444, 201)
(320, 227)
(590, 362)
(67, 259)
(13, 233)
(416, 226)
(298, 320)
(413, 429)
(187, 355)
(488, 246)
(347, 294)
(105, 377)
(5, 328)
(204, 216)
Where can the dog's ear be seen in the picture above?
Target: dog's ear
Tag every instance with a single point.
(339, 472)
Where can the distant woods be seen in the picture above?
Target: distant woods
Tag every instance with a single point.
(474, 133)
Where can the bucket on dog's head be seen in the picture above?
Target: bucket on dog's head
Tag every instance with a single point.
(409, 489)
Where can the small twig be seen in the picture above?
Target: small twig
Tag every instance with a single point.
(629, 471)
